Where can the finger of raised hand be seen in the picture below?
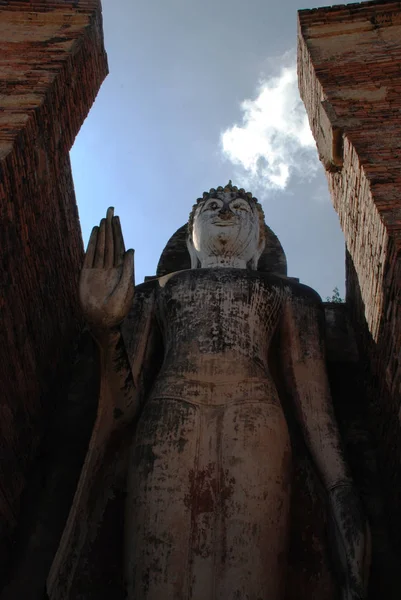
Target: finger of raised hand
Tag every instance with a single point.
(91, 249)
(109, 241)
(119, 246)
(99, 255)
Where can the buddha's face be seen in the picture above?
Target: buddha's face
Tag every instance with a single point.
(226, 229)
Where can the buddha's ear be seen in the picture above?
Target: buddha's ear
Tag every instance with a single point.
(261, 245)
(195, 262)
(253, 263)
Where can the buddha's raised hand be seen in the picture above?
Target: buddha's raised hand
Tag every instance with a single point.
(106, 286)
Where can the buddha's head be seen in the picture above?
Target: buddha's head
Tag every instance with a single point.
(226, 229)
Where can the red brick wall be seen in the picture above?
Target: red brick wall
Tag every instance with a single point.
(349, 64)
(52, 63)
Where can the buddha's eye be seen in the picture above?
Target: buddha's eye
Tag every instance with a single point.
(240, 206)
(212, 206)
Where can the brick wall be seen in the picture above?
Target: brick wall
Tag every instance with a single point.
(52, 63)
(349, 65)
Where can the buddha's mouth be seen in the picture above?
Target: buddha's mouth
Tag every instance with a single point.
(228, 223)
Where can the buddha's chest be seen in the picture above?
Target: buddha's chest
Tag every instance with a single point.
(219, 308)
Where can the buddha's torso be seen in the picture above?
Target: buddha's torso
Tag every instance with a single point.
(217, 325)
(209, 475)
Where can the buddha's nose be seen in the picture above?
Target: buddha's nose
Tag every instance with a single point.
(225, 212)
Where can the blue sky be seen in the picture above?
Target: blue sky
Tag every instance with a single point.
(200, 92)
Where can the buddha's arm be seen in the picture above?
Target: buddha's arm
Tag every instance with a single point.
(303, 358)
(126, 356)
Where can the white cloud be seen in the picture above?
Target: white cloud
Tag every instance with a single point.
(274, 141)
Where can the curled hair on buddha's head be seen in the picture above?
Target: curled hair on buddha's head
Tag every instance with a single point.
(237, 193)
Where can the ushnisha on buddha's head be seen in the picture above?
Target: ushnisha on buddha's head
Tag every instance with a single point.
(226, 229)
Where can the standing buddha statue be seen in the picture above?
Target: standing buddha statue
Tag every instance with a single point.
(186, 378)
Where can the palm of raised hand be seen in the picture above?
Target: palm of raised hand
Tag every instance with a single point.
(106, 286)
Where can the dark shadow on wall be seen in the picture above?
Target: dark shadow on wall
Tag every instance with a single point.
(54, 476)
(381, 453)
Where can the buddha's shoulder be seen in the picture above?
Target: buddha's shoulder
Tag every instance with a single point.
(288, 286)
(147, 289)
(296, 290)
(293, 288)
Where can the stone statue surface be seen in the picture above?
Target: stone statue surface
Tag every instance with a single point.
(187, 365)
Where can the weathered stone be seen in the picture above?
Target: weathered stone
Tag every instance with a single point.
(216, 378)
(52, 62)
(349, 60)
